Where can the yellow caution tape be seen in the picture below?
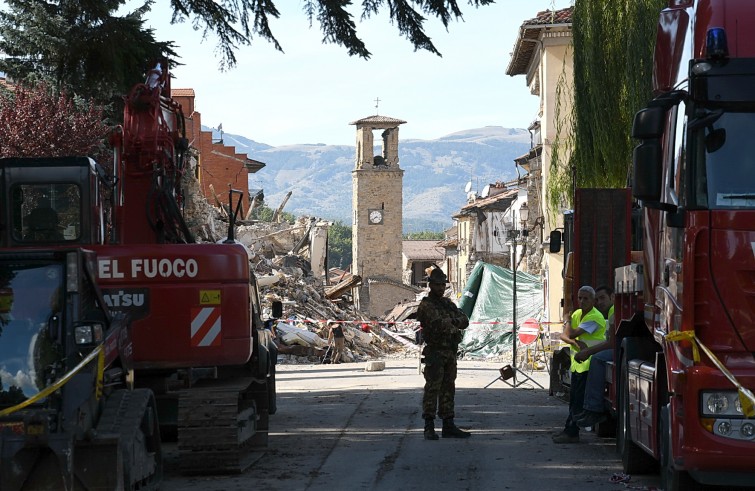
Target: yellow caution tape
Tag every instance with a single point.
(675, 336)
(98, 351)
(746, 397)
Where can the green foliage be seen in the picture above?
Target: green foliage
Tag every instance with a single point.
(54, 39)
(339, 245)
(78, 46)
(425, 235)
(14, 395)
(613, 56)
(236, 22)
(560, 181)
(264, 213)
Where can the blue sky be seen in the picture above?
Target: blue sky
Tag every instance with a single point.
(311, 93)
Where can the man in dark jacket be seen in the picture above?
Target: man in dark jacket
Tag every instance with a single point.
(442, 325)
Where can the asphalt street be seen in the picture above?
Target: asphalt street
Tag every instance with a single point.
(341, 427)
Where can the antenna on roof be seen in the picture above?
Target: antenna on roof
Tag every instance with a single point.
(485, 191)
(468, 187)
(220, 129)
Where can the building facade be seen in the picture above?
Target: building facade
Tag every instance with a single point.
(543, 54)
(220, 167)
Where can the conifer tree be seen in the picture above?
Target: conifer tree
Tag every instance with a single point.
(78, 46)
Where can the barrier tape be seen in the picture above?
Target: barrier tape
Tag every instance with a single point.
(318, 321)
(746, 397)
(414, 324)
(100, 383)
(98, 351)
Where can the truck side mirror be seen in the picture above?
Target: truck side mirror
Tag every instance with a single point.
(646, 185)
(555, 242)
(648, 126)
(648, 123)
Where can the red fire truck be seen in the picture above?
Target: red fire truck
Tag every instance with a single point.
(681, 384)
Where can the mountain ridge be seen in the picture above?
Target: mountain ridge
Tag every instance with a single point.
(435, 173)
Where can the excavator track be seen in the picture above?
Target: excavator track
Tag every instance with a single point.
(130, 415)
(220, 425)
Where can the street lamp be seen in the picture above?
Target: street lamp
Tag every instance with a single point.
(514, 234)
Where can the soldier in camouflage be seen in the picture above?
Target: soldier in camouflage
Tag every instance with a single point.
(442, 325)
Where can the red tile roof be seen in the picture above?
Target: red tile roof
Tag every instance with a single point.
(562, 16)
(503, 200)
(182, 93)
(530, 30)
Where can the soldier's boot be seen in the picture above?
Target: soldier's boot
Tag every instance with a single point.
(430, 430)
(450, 430)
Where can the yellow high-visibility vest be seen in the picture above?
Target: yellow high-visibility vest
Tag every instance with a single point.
(590, 339)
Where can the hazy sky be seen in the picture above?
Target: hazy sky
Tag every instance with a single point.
(311, 93)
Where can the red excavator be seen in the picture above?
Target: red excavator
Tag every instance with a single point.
(116, 327)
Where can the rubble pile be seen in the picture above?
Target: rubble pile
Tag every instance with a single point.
(302, 333)
(283, 273)
(305, 341)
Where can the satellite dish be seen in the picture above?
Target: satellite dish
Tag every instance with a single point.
(485, 191)
(468, 187)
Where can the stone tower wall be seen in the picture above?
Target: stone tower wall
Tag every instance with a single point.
(377, 248)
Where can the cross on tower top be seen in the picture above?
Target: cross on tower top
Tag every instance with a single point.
(377, 103)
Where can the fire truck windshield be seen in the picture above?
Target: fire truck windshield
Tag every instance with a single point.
(726, 157)
(30, 297)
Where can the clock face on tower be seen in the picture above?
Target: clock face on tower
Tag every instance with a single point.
(376, 217)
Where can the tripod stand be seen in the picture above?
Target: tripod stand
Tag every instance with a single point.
(515, 328)
(508, 374)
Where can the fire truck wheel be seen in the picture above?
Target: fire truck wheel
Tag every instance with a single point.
(671, 479)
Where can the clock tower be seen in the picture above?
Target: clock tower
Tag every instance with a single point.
(377, 185)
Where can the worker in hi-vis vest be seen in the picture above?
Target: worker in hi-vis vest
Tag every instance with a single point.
(595, 410)
(587, 328)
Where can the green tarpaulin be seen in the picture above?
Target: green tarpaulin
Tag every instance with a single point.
(488, 302)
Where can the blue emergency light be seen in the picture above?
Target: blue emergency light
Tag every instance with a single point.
(715, 43)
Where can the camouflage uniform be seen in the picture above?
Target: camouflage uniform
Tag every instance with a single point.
(442, 328)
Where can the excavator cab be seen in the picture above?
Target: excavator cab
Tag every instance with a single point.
(51, 201)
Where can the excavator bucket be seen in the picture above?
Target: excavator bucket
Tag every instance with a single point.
(35, 461)
(35, 468)
(60, 466)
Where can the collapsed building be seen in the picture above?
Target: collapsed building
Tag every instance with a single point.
(289, 261)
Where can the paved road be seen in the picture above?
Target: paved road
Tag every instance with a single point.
(339, 427)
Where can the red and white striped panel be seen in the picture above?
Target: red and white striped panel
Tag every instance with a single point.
(205, 326)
